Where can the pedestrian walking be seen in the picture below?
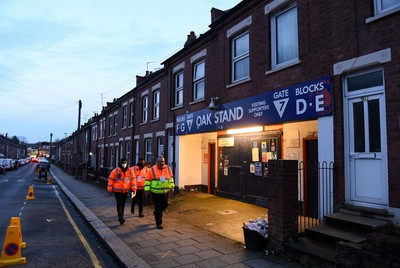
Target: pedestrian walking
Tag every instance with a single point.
(121, 181)
(138, 197)
(159, 181)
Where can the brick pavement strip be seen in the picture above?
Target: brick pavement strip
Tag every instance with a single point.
(138, 243)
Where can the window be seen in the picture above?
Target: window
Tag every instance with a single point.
(156, 104)
(132, 112)
(148, 150)
(198, 80)
(145, 107)
(367, 80)
(101, 129)
(178, 89)
(112, 157)
(240, 57)
(111, 126)
(382, 6)
(284, 38)
(136, 151)
(115, 123)
(104, 128)
(102, 156)
(94, 132)
(128, 152)
(125, 116)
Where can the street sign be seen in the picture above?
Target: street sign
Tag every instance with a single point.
(304, 101)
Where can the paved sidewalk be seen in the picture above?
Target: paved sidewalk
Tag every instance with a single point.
(197, 231)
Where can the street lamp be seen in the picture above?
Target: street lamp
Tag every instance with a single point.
(51, 143)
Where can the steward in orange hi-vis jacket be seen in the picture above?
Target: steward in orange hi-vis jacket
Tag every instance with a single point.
(121, 181)
(139, 195)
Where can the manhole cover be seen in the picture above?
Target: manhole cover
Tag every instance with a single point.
(227, 212)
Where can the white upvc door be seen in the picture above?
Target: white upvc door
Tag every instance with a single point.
(366, 145)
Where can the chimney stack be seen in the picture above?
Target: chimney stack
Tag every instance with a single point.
(190, 38)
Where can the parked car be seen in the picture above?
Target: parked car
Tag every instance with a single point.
(7, 163)
(2, 169)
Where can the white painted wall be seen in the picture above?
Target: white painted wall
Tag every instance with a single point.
(325, 139)
(190, 155)
(293, 135)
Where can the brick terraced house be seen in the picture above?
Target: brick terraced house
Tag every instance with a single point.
(312, 81)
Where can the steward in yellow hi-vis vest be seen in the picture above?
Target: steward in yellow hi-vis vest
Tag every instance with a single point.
(159, 181)
(121, 181)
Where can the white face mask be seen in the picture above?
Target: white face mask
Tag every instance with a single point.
(124, 165)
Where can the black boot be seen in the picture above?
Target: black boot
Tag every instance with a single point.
(121, 220)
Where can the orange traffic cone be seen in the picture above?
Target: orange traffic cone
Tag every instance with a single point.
(31, 194)
(49, 180)
(15, 221)
(11, 253)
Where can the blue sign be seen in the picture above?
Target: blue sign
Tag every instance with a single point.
(304, 101)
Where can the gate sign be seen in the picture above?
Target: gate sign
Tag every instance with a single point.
(308, 100)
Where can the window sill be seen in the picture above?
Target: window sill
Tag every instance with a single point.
(382, 15)
(283, 67)
(196, 101)
(143, 123)
(155, 120)
(176, 107)
(238, 82)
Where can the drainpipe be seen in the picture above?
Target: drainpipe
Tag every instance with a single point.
(174, 150)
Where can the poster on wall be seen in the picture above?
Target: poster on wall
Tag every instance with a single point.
(252, 168)
(272, 145)
(254, 155)
(264, 157)
(266, 169)
(263, 146)
(258, 169)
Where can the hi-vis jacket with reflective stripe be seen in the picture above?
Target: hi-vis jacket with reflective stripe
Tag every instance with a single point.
(141, 178)
(122, 182)
(159, 181)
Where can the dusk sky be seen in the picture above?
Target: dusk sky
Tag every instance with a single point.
(55, 53)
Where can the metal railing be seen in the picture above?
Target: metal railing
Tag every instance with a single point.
(324, 173)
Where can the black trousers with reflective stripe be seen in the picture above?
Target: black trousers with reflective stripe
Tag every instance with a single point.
(160, 204)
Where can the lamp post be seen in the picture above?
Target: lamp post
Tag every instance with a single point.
(51, 143)
(65, 150)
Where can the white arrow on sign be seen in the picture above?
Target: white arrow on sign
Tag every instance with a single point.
(280, 106)
(189, 123)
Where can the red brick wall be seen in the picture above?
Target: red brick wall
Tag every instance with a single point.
(282, 192)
